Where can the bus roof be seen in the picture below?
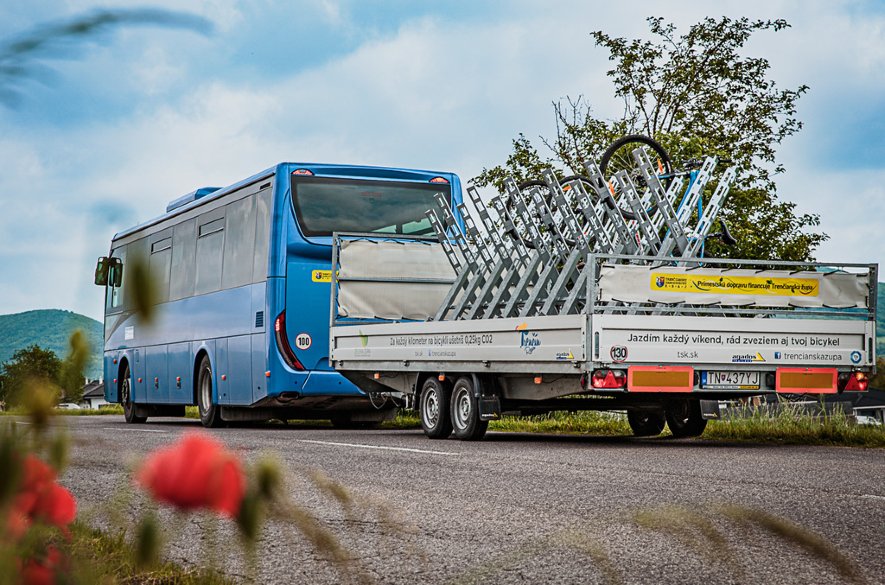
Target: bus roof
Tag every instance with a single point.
(204, 195)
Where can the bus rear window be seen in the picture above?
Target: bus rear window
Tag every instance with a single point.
(324, 205)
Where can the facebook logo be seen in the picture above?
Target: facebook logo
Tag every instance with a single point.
(777, 355)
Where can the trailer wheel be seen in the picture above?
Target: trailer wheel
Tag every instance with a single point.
(433, 409)
(684, 418)
(465, 412)
(645, 424)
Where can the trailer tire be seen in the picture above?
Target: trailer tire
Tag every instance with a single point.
(684, 418)
(433, 409)
(645, 423)
(465, 412)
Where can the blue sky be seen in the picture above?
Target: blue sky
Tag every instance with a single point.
(114, 128)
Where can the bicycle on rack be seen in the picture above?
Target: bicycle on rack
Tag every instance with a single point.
(619, 157)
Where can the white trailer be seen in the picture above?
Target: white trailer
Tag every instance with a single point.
(654, 360)
(563, 301)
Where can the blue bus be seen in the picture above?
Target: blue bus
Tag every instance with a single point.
(241, 279)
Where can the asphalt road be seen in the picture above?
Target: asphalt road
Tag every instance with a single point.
(518, 508)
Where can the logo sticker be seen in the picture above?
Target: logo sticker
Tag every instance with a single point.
(565, 355)
(659, 281)
(303, 341)
(747, 358)
(855, 357)
(618, 353)
(529, 341)
(321, 275)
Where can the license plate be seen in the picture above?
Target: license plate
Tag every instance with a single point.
(730, 380)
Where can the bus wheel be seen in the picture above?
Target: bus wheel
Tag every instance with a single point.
(645, 424)
(210, 415)
(126, 398)
(465, 412)
(684, 418)
(434, 409)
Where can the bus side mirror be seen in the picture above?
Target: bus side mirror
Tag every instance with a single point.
(101, 271)
(116, 272)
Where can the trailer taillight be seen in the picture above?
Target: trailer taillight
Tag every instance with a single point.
(279, 327)
(609, 379)
(854, 382)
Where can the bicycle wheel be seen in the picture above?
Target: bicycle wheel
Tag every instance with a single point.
(619, 157)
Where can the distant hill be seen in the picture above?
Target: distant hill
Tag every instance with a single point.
(50, 329)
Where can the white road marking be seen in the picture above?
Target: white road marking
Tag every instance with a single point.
(379, 447)
(134, 430)
(873, 497)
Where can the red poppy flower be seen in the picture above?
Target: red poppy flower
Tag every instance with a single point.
(43, 571)
(40, 498)
(197, 472)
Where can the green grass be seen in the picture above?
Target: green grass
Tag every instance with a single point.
(100, 557)
(583, 423)
(792, 426)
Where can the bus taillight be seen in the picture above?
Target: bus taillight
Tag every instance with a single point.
(439, 180)
(304, 172)
(289, 357)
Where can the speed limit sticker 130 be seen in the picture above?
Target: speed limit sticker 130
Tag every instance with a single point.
(618, 353)
(303, 340)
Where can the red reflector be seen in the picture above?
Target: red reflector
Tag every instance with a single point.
(267, 374)
(439, 180)
(304, 172)
(806, 380)
(223, 377)
(660, 378)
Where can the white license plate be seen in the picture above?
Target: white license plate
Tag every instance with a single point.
(730, 379)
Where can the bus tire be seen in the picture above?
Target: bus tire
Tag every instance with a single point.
(684, 418)
(210, 414)
(645, 423)
(433, 409)
(126, 398)
(465, 412)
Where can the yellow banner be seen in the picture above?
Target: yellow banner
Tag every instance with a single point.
(321, 275)
(735, 285)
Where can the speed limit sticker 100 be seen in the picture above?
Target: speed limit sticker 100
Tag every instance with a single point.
(618, 353)
(303, 340)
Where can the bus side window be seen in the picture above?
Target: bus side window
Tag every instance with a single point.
(210, 246)
(239, 240)
(262, 235)
(184, 250)
(160, 264)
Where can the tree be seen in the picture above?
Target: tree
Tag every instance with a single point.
(28, 367)
(70, 375)
(697, 95)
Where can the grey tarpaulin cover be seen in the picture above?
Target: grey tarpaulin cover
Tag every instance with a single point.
(706, 286)
(414, 277)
